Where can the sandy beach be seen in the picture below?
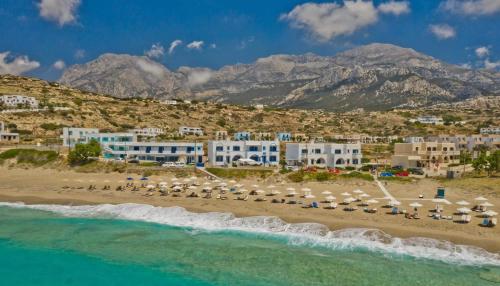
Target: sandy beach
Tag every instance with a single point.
(48, 186)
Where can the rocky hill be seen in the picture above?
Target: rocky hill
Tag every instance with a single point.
(373, 77)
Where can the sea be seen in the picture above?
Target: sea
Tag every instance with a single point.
(135, 244)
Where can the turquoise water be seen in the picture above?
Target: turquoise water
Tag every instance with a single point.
(44, 248)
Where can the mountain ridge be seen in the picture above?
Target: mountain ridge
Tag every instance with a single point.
(374, 77)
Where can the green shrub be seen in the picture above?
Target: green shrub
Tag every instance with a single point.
(322, 176)
(357, 175)
(29, 156)
(296, 176)
(83, 153)
(239, 173)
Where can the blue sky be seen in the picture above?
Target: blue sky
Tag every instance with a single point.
(42, 37)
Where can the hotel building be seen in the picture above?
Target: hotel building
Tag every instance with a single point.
(424, 154)
(323, 154)
(224, 153)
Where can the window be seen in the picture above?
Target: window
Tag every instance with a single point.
(236, 148)
(136, 148)
(253, 148)
(219, 159)
(304, 151)
(355, 161)
(273, 148)
(272, 158)
(338, 151)
(355, 151)
(173, 150)
(219, 148)
(317, 151)
(190, 149)
(148, 149)
(160, 149)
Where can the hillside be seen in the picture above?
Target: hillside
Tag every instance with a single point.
(373, 77)
(87, 109)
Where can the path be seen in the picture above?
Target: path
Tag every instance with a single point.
(383, 189)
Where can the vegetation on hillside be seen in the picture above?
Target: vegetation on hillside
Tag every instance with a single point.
(29, 156)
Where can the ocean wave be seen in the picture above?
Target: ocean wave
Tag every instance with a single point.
(311, 234)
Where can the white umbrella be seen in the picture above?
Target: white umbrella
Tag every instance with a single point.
(463, 210)
(177, 183)
(232, 181)
(175, 179)
(480, 199)
(486, 204)
(415, 205)
(274, 192)
(364, 196)
(238, 185)
(490, 213)
(193, 178)
(271, 186)
(150, 186)
(207, 183)
(259, 191)
(306, 189)
(225, 189)
(207, 188)
(349, 200)
(292, 193)
(177, 187)
(290, 189)
(394, 203)
(329, 198)
(223, 184)
(186, 180)
(463, 203)
(163, 183)
(358, 191)
(346, 194)
(192, 187)
(242, 190)
(326, 193)
(217, 181)
(372, 201)
(309, 197)
(255, 186)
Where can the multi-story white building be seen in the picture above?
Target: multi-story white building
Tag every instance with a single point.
(490, 130)
(469, 142)
(221, 135)
(147, 132)
(13, 100)
(187, 152)
(429, 119)
(73, 135)
(185, 130)
(224, 153)
(169, 102)
(323, 154)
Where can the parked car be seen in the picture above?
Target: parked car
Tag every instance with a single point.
(333, 171)
(248, 162)
(416, 171)
(168, 164)
(403, 174)
(311, 169)
(292, 168)
(133, 161)
(386, 174)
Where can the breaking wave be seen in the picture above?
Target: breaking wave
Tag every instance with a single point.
(311, 234)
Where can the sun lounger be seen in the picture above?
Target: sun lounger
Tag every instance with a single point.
(493, 222)
(331, 206)
(394, 211)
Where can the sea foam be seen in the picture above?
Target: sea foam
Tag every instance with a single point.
(311, 234)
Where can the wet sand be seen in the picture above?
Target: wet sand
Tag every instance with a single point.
(45, 186)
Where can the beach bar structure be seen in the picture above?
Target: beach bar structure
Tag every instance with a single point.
(226, 152)
(323, 154)
(173, 151)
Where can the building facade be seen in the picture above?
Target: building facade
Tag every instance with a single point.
(186, 152)
(74, 135)
(221, 135)
(185, 130)
(490, 130)
(284, 136)
(16, 100)
(429, 119)
(324, 155)
(242, 136)
(7, 137)
(224, 153)
(147, 132)
(424, 154)
(470, 142)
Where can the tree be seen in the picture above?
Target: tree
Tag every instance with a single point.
(479, 164)
(83, 153)
(493, 163)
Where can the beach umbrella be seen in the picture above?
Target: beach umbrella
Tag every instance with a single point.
(186, 180)
(177, 187)
(292, 193)
(207, 188)
(415, 205)
(207, 183)
(326, 193)
(144, 179)
(274, 192)
(192, 187)
(193, 178)
(329, 198)
(486, 204)
(259, 191)
(463, 210)
(175, 179)
(238, 185)
(309, 196)
(364, 196)
(177, 183)
(242, 190)
(163, 183)
(463, 203)
(150, 186)
(225, 189)
(480, 199)
(437, 200)
(490, 213)
(358, 191)
(232, 181)
(394, 203)
(372, 201)
(271, 186)
(130, 178)
(255, 186)
(223, 184)
(217, 181)
(349, 200)
(346, 194)
(306, 189)
(290, 189)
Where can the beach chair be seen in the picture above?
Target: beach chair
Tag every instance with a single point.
(315, 205)
(468, 218)
(486, 222)
(332, 206)
(394, 211)
(493, 222)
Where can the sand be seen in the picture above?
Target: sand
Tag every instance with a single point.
(45, 186)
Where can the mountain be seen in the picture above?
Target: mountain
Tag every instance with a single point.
(373, 77)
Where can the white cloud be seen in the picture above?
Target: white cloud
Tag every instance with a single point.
(59, 64)
(396, 8)
(79, 54)
(329, 20)
(491, 65)
(197, 77)
(60, 11)
(471, 7)
(16, 65)
(151, 67)
(213, 46)
(482, 52)
(443, 31)
(174, 45)
(156, 51)
(197, 45)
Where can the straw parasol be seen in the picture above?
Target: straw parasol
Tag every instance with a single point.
(217, 181)
(259, 191)
(290, 189)
(486, 204)
(271, 186)
(292, 193)
(175, 179)
(177, 188)
(275, 192)
(415, 205)
(255, 186)
(326, 193)
(330, 198)
(480, 199)
(207, 183)
(372, 201)
(232, 182)
(150, 186)
(223, 184)
(346, 194)
(358, 191)
(309, 196)
(463, 203)
(349, 200)
(306, 189)
(463, 210)
(490, 213)
(238, 185)
(364, 196)
(192, 187)
(193, 178)
(394, 203)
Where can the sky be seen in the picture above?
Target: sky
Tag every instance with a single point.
(41, 38)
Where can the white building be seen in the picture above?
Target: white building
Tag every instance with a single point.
(469, 142)
(490, 130)
(414, 139)
(429, 119)
(324, 154)
(169, 102)
(225, 152)
(73, 135)
(185, 130)
(13, 100)
(7, 137)
(147, 132)
(187, 152)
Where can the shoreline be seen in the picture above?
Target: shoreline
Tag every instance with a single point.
(47, 186)
(490, 245)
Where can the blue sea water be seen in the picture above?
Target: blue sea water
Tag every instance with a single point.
(40, 247)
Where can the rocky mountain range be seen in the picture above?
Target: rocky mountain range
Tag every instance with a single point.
(373, 77)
